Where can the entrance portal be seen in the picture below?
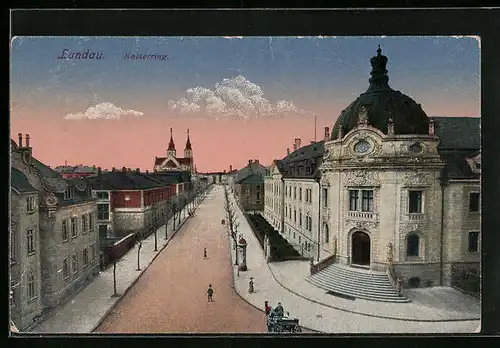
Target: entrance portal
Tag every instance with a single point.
(360, 249)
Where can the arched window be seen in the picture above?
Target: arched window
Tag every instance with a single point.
(412, 245)
(327, 233)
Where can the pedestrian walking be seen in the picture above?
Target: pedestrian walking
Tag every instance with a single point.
(205, 253)
(267, 307)
(210, 293)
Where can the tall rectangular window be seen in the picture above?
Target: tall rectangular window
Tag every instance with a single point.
(103, 211)
(13, 246)
(91, 222)
(473, 242)
(74, 263)
(353, 200)
(300, 219)
(84, 223)
(31, 287)
(300, 193)
(30, 204)
(325, 197)
(65, 268)
(474, 200)
(294, 193)
(294, 215)
(85, 257)
(93, 253)
(74, 227)
(64, 230)
(367, 200)
(30, 241)
(415, 202)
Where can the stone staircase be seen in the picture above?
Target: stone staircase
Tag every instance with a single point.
(356, 283)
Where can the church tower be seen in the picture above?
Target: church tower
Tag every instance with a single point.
(171, 145)
(188, 151)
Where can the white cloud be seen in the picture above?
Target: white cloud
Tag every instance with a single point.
(103, 111)
(236, 98)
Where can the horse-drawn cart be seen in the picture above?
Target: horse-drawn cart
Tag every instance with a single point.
(283, 324)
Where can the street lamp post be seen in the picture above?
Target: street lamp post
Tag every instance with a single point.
(138, 255)
(115, 292)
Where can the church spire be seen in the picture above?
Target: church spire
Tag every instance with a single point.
(188, 142)
(171, 144)
(379, 79)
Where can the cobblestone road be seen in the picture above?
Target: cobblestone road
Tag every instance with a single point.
(170, 296)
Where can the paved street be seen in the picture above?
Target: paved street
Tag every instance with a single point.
(171, 297)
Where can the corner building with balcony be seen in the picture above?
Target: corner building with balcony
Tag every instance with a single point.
(401, 188)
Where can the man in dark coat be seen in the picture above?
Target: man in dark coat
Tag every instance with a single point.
(210, 293)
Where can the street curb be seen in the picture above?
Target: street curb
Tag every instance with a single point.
(136, 279)
(368, 314)
(351, 311)
(247, 301)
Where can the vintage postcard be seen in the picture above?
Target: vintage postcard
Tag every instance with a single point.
(245, 185)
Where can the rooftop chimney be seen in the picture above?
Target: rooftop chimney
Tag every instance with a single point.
(137, 170)
(256, 161)
(296, 144)
(147, 171)
(113, 169)
(287, 151)
(230, 167)
(249, 162)
(99, 171)
(20, 135)
(27, 140)
(327, 133)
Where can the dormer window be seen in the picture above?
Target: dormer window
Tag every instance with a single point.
(69, 193)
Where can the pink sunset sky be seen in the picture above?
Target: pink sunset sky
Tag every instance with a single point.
(238, 105)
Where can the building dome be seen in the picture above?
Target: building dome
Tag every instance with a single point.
(380, 103)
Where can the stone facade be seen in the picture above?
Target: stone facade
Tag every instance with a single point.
(58, 200)
(25, 266)
(58, 284)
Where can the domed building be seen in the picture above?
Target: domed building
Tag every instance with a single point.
(391, 196)
(400, 189)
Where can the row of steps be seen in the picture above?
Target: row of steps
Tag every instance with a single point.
(356, 283)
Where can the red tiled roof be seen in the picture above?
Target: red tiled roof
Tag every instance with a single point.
(186, 161)
(159, 160)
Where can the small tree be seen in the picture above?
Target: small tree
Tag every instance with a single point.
(139, 251)
(232, 221)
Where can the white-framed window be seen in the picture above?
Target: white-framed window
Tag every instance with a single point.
(65, 268)
(473, 242)
(366, 198)
(30, 204)
(64, 230)
(74, 263)
(74, 227)
(85, 257)
(69, 193)
(102, 195)
(474, 202)
(295, 215)
(84, 223)
(415, 201)
(300, 193)
(30, 241)
(103, 211)
(300, 218)
(31, 287)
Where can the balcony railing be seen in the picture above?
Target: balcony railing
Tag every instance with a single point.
(362, 215)
(416, 217)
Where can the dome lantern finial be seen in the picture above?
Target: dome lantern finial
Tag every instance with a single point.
(379, 79)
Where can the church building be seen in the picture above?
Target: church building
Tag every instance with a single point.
(173, 163)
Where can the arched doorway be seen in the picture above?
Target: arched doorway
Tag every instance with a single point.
(360, 249)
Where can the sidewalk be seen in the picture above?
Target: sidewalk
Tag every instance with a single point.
(89, 307)
(315, 309)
